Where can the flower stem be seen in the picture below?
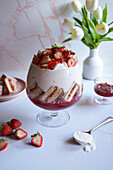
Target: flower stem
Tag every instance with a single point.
(91, 15)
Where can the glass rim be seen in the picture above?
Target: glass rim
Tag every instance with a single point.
(102, 77)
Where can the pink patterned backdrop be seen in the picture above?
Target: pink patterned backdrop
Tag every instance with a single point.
(29, 25)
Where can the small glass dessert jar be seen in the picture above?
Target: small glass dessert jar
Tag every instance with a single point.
(103, 87)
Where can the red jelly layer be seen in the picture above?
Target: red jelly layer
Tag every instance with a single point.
(104, 89)
(57, 105)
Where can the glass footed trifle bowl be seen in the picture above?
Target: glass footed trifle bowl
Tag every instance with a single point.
(54, 82)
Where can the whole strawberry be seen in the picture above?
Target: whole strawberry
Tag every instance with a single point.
(14, 123)
(6, 130)
(37, 139)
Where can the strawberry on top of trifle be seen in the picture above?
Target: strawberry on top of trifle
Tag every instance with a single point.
(54, 57)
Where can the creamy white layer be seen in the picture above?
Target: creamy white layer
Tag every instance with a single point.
(61, 76)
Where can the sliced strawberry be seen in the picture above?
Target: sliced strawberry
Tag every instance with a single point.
(20, 133)
(62, 48)
(52, 64)
(55, 49)
(59, 55)
(6, 130)
(37, 139)
(67, 54)
(3, 144)
(72, 53)
(44, 59)
(71, 62)
(43, 66)
(76, 60)
(36, 59)
(48, 51)
(14, 123)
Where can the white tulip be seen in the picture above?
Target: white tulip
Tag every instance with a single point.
(102, 28)
(77, 33)
(69, 22)
(91, 5)
(98, 13)
(76, 5)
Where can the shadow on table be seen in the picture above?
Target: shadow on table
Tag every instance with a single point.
(87, 101)
(72, 141)
(71, 144)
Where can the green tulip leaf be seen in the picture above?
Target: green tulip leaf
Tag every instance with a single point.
(68, 39)
(87, 37)
(106, 39)
(94, 20)
(93, 31)
(77, 20)
(104, 14)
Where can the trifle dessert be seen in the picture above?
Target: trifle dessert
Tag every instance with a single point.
(54, 80)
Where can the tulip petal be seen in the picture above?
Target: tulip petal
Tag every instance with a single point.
(102, 28)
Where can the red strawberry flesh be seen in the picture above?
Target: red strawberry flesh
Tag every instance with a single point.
(20, 133)
(37, 140)
(6, 130)
(71, 62)
(3, 144)
(15, 123)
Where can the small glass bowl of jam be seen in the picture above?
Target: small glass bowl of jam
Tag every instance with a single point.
(103, 87)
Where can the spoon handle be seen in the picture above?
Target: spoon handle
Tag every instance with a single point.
(109, 119)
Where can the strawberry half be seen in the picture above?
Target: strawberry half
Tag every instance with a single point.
(71, 62)
(20, 133)
(36, 59)
(37, 139)
(6, 130)
(14, 123)
(67, 54)
(3, 144)
(44, 59)
(59, 55)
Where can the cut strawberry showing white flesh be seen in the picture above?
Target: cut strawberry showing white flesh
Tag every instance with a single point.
(45, 59)
(3, 144)
(59, 55)
(36, 59)
(20, 133)
(37, 139)
(71, 62)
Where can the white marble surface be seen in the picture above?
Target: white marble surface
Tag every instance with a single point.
(59, 150)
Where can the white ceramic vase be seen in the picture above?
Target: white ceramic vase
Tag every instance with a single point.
(92, 65)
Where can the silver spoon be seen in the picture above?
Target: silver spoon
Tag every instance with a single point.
(86, 137)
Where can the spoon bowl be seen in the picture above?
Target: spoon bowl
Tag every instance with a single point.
(86, 137)
(82, 137)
